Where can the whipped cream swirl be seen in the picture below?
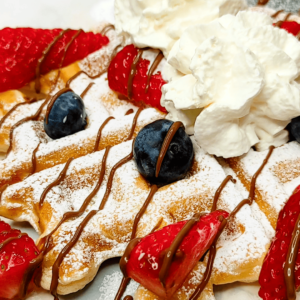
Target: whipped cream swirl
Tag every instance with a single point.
(160, 23)
(233, 83)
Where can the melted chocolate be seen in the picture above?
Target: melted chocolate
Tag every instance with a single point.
(128, 298)
(169, 256)
(137, 218)
(290, 263)
(57, 181)
(153, 67)
(31, 118)
(129, 112)
(133, 72)
(210, 263)
(157, 225)
(11, 239)
(165, 146)
(219, 191)
(122, 288)
(277, 13)
(262, 2)
(133, 126)
(107, 28)
(125, 258)
(52, 101)
(14, 108)
(82, 95)
(42, 59)
(98, 138)
(33, 159)
(279, 23)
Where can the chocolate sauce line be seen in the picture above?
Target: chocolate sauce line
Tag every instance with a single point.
(43, 58)
(75, 238)
(133, 126)
(53, 99)
(129, 112)
(153, 67)
(31, 118)
(290, 263)
(99, 134)
(166, 143)
(14, 108)
(219, 191)
(168, 257)
(262, 2)
(11, 239)
(277, 13)
(210, 263)
(86, 90)
(125, 281)
(56, 182)
(279, 23)
(64, 56)
(107, 28)
(133, 72)
(33, 160)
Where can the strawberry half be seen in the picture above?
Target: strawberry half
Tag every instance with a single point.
(15, 257)
(271, 277)
(291, 27)
(118, 75)
(21, 48)
(146, 259)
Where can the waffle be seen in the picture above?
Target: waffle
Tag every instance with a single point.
(241, 248)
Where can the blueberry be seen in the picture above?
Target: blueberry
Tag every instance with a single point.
(177, 161)
(294, 129)
(67, 116)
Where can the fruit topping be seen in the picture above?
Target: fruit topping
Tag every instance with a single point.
(137, 86)
(291, 27)
(65, 115)
(18, 257)
(170, 166)
(272, 276)
(22, 48)
(162, 260)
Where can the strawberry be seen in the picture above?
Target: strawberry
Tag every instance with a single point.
(15, 257)
(291, 27)
(119, 71)
(146, 258)
(21, 48)
(271, 277)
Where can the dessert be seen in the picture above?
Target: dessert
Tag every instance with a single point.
(83, 192)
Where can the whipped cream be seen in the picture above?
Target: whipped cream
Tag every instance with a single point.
(160, 23)
(233, 83)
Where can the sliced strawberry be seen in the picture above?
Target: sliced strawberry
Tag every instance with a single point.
(291, 27)
(145, 261)
(21, 48)
(271, 277)
(119, 71)
(15, 258)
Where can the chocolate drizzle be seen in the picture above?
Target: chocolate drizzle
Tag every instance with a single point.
(133, 72)
(125, 281)
(33, 159)
(290, 262)
(169, 255)
(60, 177)
(277, 13)
(53, 99)
(153, 67)
(11, 239)
(42, 59)
(219, 191)
(165, 146)
(262, 2)
(14, 108)
(107, 28)
(31, 118)
(279, 23)
(98, 138)
(134, 121)
(129, 112)
(86, 90)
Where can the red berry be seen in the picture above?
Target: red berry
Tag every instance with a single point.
(21, 48)
(146, 258)
(14, 260)
(291, 27)
(271, 277)
(118, 74)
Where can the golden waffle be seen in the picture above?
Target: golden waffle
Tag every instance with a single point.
(241, 248)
